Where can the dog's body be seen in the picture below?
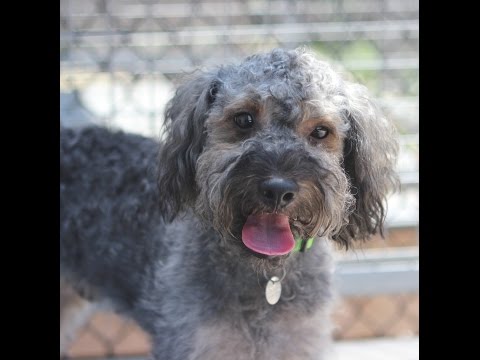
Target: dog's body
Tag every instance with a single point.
(258, 157)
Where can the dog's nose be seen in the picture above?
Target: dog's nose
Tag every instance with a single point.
(278, 191)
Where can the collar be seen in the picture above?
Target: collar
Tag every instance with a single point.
(302, 244)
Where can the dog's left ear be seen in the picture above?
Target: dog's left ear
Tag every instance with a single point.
(185, 117)
(370, 153)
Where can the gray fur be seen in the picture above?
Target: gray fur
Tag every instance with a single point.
(155, 229)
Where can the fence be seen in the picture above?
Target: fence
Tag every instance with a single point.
(119, 62)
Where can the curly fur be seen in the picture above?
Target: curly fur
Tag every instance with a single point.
(155, 229)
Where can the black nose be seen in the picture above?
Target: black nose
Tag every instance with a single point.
(278, 192)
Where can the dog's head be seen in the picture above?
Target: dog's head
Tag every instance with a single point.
(275, 149)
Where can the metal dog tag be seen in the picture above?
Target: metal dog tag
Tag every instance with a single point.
(273, 290)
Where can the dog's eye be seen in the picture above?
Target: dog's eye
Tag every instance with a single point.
(244, 120)
(320, 132)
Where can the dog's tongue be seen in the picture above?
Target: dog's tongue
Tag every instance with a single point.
(268, 234)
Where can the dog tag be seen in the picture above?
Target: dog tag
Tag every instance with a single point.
(273, 290)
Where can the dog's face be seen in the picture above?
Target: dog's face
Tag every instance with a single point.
(277, 149)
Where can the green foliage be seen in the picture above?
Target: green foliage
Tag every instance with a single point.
(363, 59)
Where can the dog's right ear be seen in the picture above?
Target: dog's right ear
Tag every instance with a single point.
(185, 137)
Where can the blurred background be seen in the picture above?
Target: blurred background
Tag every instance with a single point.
(121, 59)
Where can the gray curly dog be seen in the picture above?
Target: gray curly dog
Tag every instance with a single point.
(216, 241)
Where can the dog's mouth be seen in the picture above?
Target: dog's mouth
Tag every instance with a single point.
(268, 234)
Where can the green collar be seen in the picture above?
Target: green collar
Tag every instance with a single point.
(303, 244)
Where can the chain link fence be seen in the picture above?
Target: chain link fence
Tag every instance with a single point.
(120, 61)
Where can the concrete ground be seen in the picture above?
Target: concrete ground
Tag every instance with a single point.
(378, 349)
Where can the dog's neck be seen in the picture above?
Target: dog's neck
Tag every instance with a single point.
(225, 263)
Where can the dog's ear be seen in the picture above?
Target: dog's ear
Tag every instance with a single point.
(185, 137)
(370, 152)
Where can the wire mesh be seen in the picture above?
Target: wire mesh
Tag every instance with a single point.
(118, 58)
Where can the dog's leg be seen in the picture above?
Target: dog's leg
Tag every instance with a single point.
(74, 313)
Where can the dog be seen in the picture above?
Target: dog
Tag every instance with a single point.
(217, 239)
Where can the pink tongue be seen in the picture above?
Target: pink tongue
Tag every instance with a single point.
(268, 234)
